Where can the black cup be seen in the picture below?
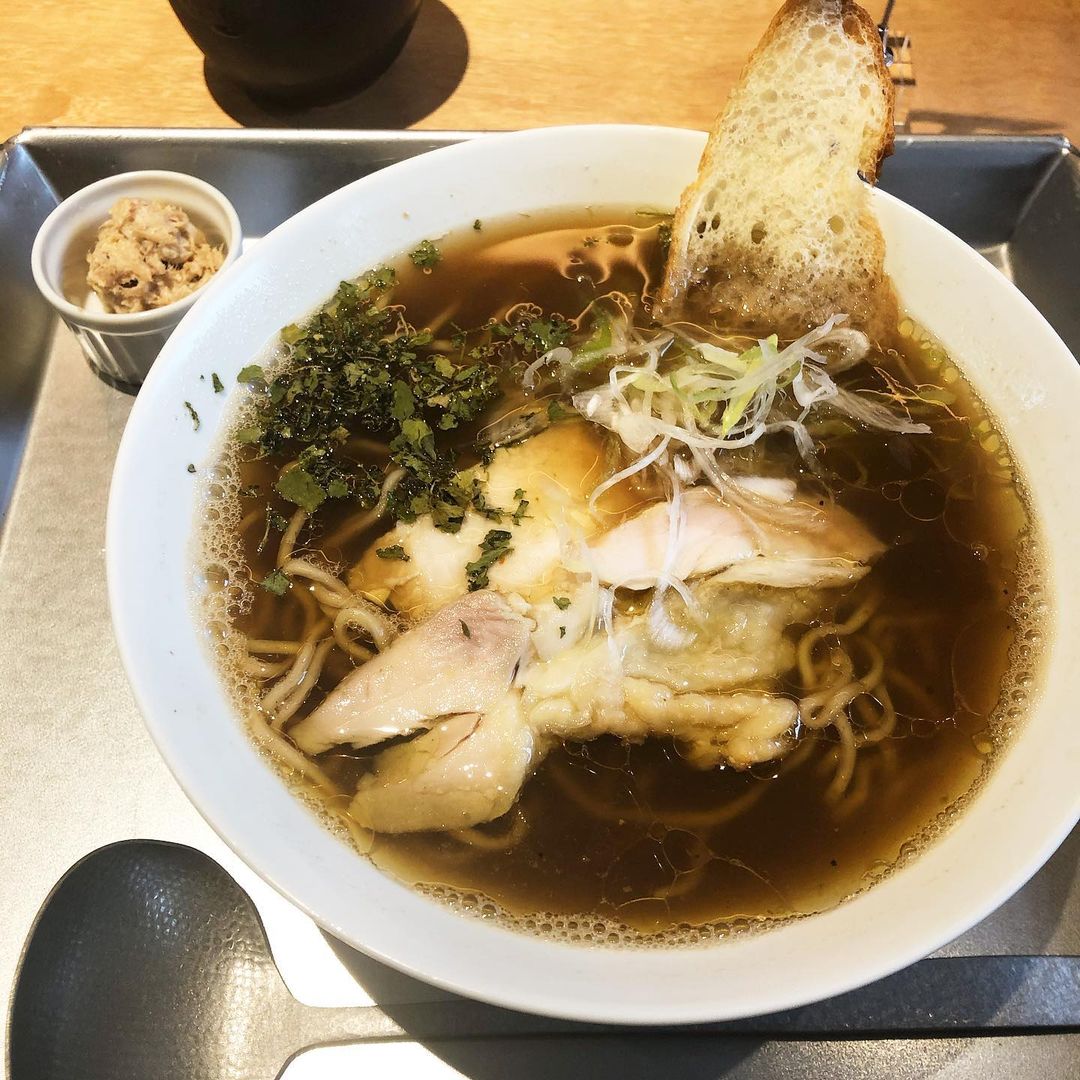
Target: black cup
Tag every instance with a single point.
(298, 51)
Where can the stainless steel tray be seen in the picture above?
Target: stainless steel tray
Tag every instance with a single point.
(77, 770)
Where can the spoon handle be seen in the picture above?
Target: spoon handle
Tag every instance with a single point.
(939, 996)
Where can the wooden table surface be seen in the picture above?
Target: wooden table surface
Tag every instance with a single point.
(979, 65)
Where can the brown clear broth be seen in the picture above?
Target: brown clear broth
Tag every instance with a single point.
(633, 835)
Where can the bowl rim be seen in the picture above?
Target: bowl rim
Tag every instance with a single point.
(529, 997)
(52, 231)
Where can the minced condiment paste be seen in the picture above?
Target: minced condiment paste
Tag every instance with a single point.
(149, 254)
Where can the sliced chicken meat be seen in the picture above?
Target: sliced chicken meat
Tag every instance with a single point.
(828, 547)
(466, 770)
(463, 659)
(717, 699)
(715, 696)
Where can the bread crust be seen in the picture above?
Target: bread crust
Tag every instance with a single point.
(859, 26)
(743, 264)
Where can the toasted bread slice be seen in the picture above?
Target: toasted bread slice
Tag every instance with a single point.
(776, 232)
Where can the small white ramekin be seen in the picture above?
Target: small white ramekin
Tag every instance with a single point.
(122, 347)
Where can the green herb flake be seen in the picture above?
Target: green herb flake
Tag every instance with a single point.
(465, 628)
(425, 255)
(557, 411)
(477, 225)
(357, 366)
(663, 234)
(196, 423)
(415, 447)
(248, 436)
(550, 333)
(523, 505)
(394, 551)
(300, 487)
(216, 382)
(561, 602)
(191, 468)
(532, 332)
(274, 520)
(404, 401)
(493, 549)
(562, 631)
(253, 373)
(276, 582)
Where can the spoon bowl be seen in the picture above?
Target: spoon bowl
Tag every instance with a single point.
(148, 960)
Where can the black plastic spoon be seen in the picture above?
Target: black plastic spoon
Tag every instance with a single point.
(148, 960)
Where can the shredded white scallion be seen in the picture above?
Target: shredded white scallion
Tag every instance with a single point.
(559, 355)
(640, 465)
(607, 622)
(678, 398)
(863, 408)
(663, 630)
(709, 399)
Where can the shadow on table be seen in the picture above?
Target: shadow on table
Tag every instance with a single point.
(633, 1055)
(427, 72)
(855, 1036)
(484, 1042)
(937, 122)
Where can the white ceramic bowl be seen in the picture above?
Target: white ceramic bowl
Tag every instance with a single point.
(122, 346)
(1031, 801)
